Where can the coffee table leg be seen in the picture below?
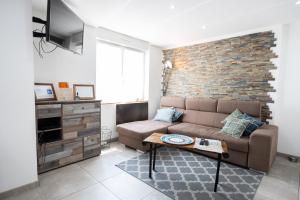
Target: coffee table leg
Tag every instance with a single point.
(154, 157)
(217, 174)
(150, 161)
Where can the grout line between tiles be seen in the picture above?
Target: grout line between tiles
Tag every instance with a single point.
(77, 191)
(115, 195)
(88, 173)
(101, 182)
(97, 179)
(144, 197)
(97, 182)
(80, 190)
(141, 182)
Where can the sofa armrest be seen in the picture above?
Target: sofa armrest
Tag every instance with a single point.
(263, 148)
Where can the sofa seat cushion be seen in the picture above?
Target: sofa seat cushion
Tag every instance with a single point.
(195, 130)
(142, 129)
(192, 130)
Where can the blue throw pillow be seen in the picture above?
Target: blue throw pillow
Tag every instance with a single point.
(177, 114)
(252, 126)
(164, 114)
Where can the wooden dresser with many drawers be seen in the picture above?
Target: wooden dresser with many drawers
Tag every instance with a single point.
(67, 132)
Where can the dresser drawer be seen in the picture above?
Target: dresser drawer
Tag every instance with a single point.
(47, 111)
(91, 140)
(78, 126)
(92, 145)
(71, 159)
(57, 154)
(87, 120)
(81, 108)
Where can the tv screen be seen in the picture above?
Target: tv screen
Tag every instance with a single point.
(64, 27)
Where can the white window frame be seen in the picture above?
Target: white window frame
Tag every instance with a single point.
(123, 47)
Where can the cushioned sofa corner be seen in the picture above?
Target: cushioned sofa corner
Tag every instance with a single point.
(132, 134)
(202, 118)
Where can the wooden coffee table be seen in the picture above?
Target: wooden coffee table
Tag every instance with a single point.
(154, 141)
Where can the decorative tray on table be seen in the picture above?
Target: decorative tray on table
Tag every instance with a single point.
(177, 139)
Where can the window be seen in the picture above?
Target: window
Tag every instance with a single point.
(120, 73)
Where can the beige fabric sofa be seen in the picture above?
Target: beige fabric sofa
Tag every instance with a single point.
(202, 118)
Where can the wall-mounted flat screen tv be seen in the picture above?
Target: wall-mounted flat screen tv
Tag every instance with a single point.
(64, 28)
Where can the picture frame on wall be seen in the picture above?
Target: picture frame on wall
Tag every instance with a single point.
(84, 91)
(44, 92)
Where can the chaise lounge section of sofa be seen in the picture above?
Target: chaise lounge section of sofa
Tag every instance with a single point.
(132, 134)
(202, 118)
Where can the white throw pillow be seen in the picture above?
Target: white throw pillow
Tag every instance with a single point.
(164, 114)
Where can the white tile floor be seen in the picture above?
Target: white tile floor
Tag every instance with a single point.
(99, 179)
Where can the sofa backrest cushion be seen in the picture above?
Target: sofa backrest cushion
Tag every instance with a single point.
(252, 108)
(209, 112)
(202, 111)
(211, 119)
(201, 104)
(172, 101)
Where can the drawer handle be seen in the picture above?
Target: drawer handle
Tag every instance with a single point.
(82, 108)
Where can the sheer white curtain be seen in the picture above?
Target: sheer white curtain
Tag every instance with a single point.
(120, 73)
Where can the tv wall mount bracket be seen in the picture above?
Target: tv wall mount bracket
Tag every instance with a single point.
(39, 21)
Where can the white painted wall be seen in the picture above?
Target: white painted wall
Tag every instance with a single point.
(288, 107)
(121, 39)
(108, 117)
(155, 71)
(62, 65)
(17, 130)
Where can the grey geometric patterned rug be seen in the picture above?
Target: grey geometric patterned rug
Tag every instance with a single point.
(183, 175)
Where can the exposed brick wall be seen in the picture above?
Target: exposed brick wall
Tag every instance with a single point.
(234, 68)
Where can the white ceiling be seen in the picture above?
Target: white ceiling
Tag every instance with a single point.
(156, 22)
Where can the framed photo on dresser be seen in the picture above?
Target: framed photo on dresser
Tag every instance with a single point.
(44, 92)
(84, 91)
